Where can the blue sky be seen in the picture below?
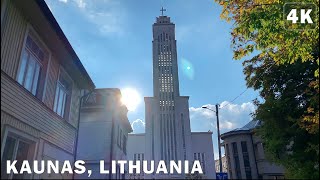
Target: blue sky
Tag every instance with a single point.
(113, 40)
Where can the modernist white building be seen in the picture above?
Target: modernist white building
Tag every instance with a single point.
(168, 135)
(103, 132)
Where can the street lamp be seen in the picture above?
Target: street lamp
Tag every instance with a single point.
(218, 129)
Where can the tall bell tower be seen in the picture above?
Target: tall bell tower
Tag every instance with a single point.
(168, 134)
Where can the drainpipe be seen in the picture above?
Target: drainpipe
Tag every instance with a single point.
(111, 146)
(254, 154)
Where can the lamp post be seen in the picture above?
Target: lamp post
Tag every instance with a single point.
(218, 129)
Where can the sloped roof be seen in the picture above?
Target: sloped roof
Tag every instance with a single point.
(249, 126)
(47, 12)
(245, 129)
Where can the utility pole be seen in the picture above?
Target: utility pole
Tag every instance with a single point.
(218, 129)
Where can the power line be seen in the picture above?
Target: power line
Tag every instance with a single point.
(230, 102)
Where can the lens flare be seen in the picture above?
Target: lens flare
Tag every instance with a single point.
(187, 68)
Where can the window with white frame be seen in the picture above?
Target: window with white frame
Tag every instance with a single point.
(32, 66)
(63, 95)
(16, 148)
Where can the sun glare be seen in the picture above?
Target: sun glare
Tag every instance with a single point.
(131, 98)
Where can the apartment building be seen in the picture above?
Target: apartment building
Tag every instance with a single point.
(42, 80)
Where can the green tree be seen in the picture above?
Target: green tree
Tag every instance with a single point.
(260, 25)
(286, 94)
(286, 73)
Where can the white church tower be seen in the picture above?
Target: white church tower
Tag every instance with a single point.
(167, 113)
(167, 130)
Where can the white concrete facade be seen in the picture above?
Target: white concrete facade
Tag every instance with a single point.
(167, 132)
(136, 142)
(103, 132)
(202, 150)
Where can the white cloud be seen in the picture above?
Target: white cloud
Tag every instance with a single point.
(138, 126)
(64, 1)
(108, 17)
(227, 125)
(81, 3)
(108, 23)
(231, 116)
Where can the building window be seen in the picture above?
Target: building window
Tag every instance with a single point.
(228, 160)
(16, 148)
(32, 65)
(118, 136)
(236, 160)
(124, 144)
(203, 163)
(120, 143)
(117, 172)
(183, 139)
(152, 132)
(201, 158)
(121, 140)
(246, 159)
(63, 95)
(135, 175)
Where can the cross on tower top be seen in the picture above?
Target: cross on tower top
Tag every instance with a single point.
(162, 10)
